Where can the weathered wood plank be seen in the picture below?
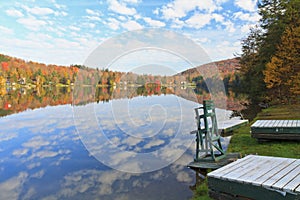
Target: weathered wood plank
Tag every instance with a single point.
(232, 166)
(276, 123)
(292, 185)
(285, 162)
(287, 178)
(297, 189)
(281, 174)
(295, 123)
(273, 123)
(244, 169)
(265, 124)
(260, 170)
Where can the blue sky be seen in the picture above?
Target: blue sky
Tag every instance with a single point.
(66, 31)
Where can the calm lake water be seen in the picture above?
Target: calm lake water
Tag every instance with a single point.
(124, 148)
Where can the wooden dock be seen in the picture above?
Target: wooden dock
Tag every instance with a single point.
(257, 177)
(228, 126)
(276, 129)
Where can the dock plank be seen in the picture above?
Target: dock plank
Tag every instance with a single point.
(276, 123)
(260, 170)
(244, 169)
(265, 124)
(283, 164)
(273, 123)
(297, 189)
(287, 178)
(281, 174)
(291, 186)
(230, 167)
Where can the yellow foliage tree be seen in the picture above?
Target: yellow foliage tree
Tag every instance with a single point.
(282, 73)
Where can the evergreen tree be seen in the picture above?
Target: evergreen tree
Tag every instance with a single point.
(263, 42)
(283, 71)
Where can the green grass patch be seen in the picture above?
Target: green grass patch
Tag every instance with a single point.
(280, 112)
(201, 192)
(243, 142)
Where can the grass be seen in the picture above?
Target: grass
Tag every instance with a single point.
(280, 112)
(243, 143)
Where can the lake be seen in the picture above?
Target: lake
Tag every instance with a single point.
(114, 145)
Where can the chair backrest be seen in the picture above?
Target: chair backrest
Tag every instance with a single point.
(210, 118)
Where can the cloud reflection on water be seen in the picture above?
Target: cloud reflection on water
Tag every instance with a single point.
(43, 158)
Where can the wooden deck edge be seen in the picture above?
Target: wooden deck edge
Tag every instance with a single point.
(227, 130)
(210, 164)
(227, 190)
(276, 136)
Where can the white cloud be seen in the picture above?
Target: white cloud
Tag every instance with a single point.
(74, 28)
(6, 137)
(89, 25)
(20, 152)
(6, 30)
(198, 20)
(93, 18)
(246, 28)
(132, 1)
(177, 23)
(32, 23)
(14, 13)
(221, 1)
(12, 188)
(183, 176)
(229, 26)
(113, 23)
(154, 144)
(39, 10)
(254, 17)
(180, 8)
(58, 6)
(132, 141)
(122, 18)
(249, 5)
(45, 154)
(218, 17)
(154, 23)
(132, 25)
(120, 7)
(36, 143)
(137, 16)
(203, 40)
(60, 13)
(93, 12)
(156, 11)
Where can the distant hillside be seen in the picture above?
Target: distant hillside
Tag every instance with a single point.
(225, 67)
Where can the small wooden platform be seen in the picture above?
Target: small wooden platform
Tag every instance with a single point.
(209, 164)
(256, 177)
(229, 125)
(276, 129)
